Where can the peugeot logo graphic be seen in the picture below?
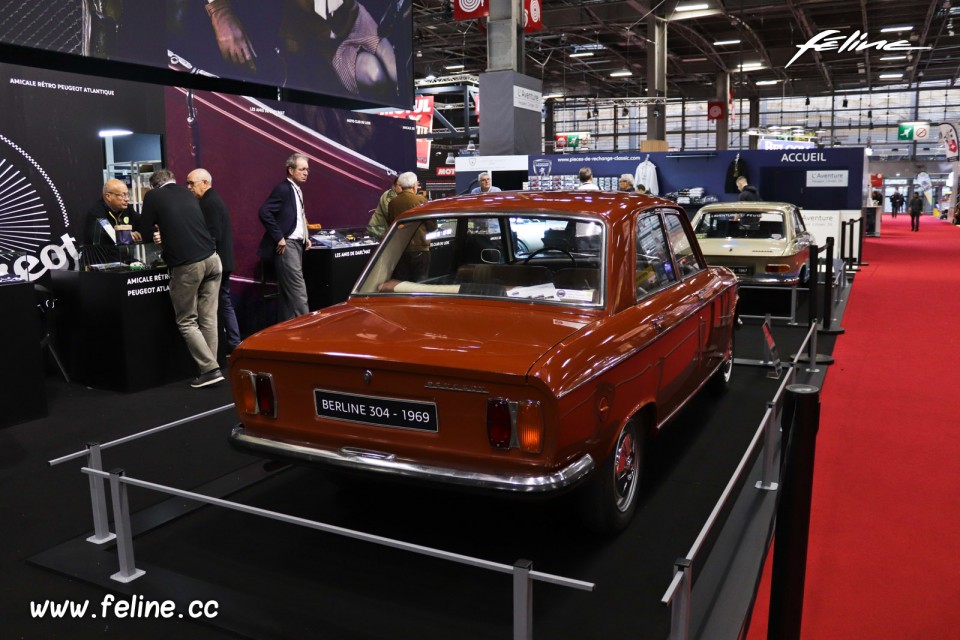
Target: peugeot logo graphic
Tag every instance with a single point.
(368, 376)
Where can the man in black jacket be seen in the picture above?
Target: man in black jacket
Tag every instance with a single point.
(173, 214)
(748, 192)
(286, 236)
(916, 210)
(218, 222)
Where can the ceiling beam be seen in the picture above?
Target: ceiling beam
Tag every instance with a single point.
(808, 32)
(864, 16)
(931, 11)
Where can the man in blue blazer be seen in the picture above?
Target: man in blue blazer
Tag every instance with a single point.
(286, 237)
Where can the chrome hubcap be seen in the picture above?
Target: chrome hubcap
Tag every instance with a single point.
(625, 469)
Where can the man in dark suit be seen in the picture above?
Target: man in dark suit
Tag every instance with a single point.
(218, 222)
(173, 214)
(286, 237)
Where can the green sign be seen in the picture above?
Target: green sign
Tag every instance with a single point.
(905, 132)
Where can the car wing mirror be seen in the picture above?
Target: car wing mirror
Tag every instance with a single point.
(490, 256)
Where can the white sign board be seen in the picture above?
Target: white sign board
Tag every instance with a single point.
(491, 163)
(834, 178)
(775, 143)
(825, 224)
(527, 99)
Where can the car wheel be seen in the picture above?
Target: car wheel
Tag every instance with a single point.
(722, 377)
(609, 498)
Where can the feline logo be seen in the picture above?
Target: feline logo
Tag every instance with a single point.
(857, 41)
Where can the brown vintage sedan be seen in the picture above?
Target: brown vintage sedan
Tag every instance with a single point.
(530, 349)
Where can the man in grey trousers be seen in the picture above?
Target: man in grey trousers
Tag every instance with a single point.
(171, 215)
(286, 237)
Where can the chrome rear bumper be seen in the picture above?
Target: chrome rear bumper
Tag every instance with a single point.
(388, 464)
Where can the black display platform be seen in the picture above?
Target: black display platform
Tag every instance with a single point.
(22, 392)
(331, 273)
(116, 330)
(275, 580)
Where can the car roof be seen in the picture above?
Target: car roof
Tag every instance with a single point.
(610, 206)
(746, 205)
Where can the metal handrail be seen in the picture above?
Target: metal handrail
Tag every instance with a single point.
(522, 572)
(140, 434)
(681, 576)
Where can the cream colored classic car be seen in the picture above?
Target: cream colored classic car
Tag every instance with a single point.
(761, 242)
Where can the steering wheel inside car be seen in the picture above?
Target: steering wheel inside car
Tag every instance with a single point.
(545, 249)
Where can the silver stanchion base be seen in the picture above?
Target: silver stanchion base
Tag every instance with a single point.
(119, 577)
(821, 358)
(97, 540)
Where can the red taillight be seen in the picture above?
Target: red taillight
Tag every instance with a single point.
(266, 398)
(499, 429)
(778, 268)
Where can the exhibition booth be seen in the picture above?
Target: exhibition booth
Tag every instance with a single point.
(829, 185)
(100, 316)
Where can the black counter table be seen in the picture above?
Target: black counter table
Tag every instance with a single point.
(22, 389)
(330, 273)
(116, 330)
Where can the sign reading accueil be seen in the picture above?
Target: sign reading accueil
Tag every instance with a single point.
(822, 178)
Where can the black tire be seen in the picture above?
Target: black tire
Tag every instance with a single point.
(609, 498)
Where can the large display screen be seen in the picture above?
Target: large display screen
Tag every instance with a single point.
(52, 157)
(352, 49)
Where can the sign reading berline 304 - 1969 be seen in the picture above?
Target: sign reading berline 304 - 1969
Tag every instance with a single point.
(856, 41)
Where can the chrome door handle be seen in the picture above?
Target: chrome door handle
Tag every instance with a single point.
(657, 323)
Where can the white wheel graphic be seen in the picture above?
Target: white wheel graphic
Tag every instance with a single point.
(32, 213)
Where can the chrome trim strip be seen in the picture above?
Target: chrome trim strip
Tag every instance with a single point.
(787, 279)
(387, 464)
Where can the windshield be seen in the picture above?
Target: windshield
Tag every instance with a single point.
(550, 259)
(733, 224)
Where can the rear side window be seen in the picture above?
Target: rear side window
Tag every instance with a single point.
(687, 262)
(798, 222)
(654, 267)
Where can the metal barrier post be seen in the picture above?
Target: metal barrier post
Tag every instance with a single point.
(812, 356)
(98, 498)
(828, 287)
(860, 237)
(121, 519)
(769, 473)
(813, 271)
(852, 265)
(793, 512)
(843, 243)
(522, 600)
(680, 606)
(830, 296)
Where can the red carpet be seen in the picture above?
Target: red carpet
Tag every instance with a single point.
(884, 556)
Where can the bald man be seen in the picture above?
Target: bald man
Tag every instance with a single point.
(217, 216)
(112, 209)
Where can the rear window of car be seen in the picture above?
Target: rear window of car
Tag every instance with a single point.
(745, 225)
(541, 258)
